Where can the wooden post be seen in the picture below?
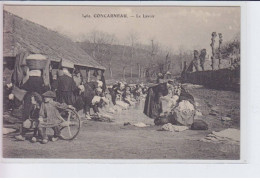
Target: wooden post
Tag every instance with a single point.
(219, 50)
(213, 37)
(185, 66)
(88, 75)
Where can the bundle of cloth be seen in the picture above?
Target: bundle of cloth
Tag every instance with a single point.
(180, 109)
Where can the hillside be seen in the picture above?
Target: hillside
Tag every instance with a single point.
(118, 57)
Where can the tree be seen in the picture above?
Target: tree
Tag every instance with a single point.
(122, 59)
(99, 40)
(139, 70)
(133, 38)
(219, 49)
(202, 57)
(102, 51)
(150, 69)
(213, 37)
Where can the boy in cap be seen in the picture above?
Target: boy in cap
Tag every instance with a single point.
(49, 116)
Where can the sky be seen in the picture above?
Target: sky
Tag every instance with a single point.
(172, 27)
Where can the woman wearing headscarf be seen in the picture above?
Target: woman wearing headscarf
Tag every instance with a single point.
(153, 102)
(66, 86)
(35, 86)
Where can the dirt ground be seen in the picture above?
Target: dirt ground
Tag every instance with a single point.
(102, 140)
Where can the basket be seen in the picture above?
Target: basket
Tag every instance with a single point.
(36, 64)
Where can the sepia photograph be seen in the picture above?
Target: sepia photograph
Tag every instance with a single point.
(121, 82)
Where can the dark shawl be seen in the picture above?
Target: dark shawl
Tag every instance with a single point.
(185, 95)
(29, 108)
(89, 93)
(66, 89)
(104, 82)
(153, 103)
(35, 84)
(85, 99)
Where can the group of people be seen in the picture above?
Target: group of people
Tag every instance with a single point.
(178, 108)
(41, 102)
(67, 89)
(115, 98)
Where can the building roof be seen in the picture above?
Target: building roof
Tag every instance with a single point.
(23, 35)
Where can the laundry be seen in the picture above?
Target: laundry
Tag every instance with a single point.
(198, 113)
(226, 119)
(140, 125)
(8, 130)
(173, 128)
(184, 113)
(229, 135)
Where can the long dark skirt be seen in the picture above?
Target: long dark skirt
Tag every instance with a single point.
(66, 97)
(28, 107)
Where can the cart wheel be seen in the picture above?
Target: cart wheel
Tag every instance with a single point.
(70, 127)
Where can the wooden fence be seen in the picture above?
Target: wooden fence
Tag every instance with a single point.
(224, 79)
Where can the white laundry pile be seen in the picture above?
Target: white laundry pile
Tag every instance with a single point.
(174, 128)
(192, 85)
(140, 125)
(184, 113)
(172, 102)
(198, 115)
(229, 135)
(8, 130)
(122, 105)
(96, 99)
(226, 119)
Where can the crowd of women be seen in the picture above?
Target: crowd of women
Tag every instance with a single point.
(67, 89)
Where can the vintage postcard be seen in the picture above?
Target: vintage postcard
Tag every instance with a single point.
(121, 82)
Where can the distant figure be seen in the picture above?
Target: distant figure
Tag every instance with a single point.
(159, 78)
(196, 60)
(77, 77)
(168, 75)
(54, 83)
(87, 97)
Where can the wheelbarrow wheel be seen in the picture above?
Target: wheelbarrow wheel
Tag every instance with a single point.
(70, 126)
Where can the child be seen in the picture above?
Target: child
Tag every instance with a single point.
(49, 116)
(32, 113)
